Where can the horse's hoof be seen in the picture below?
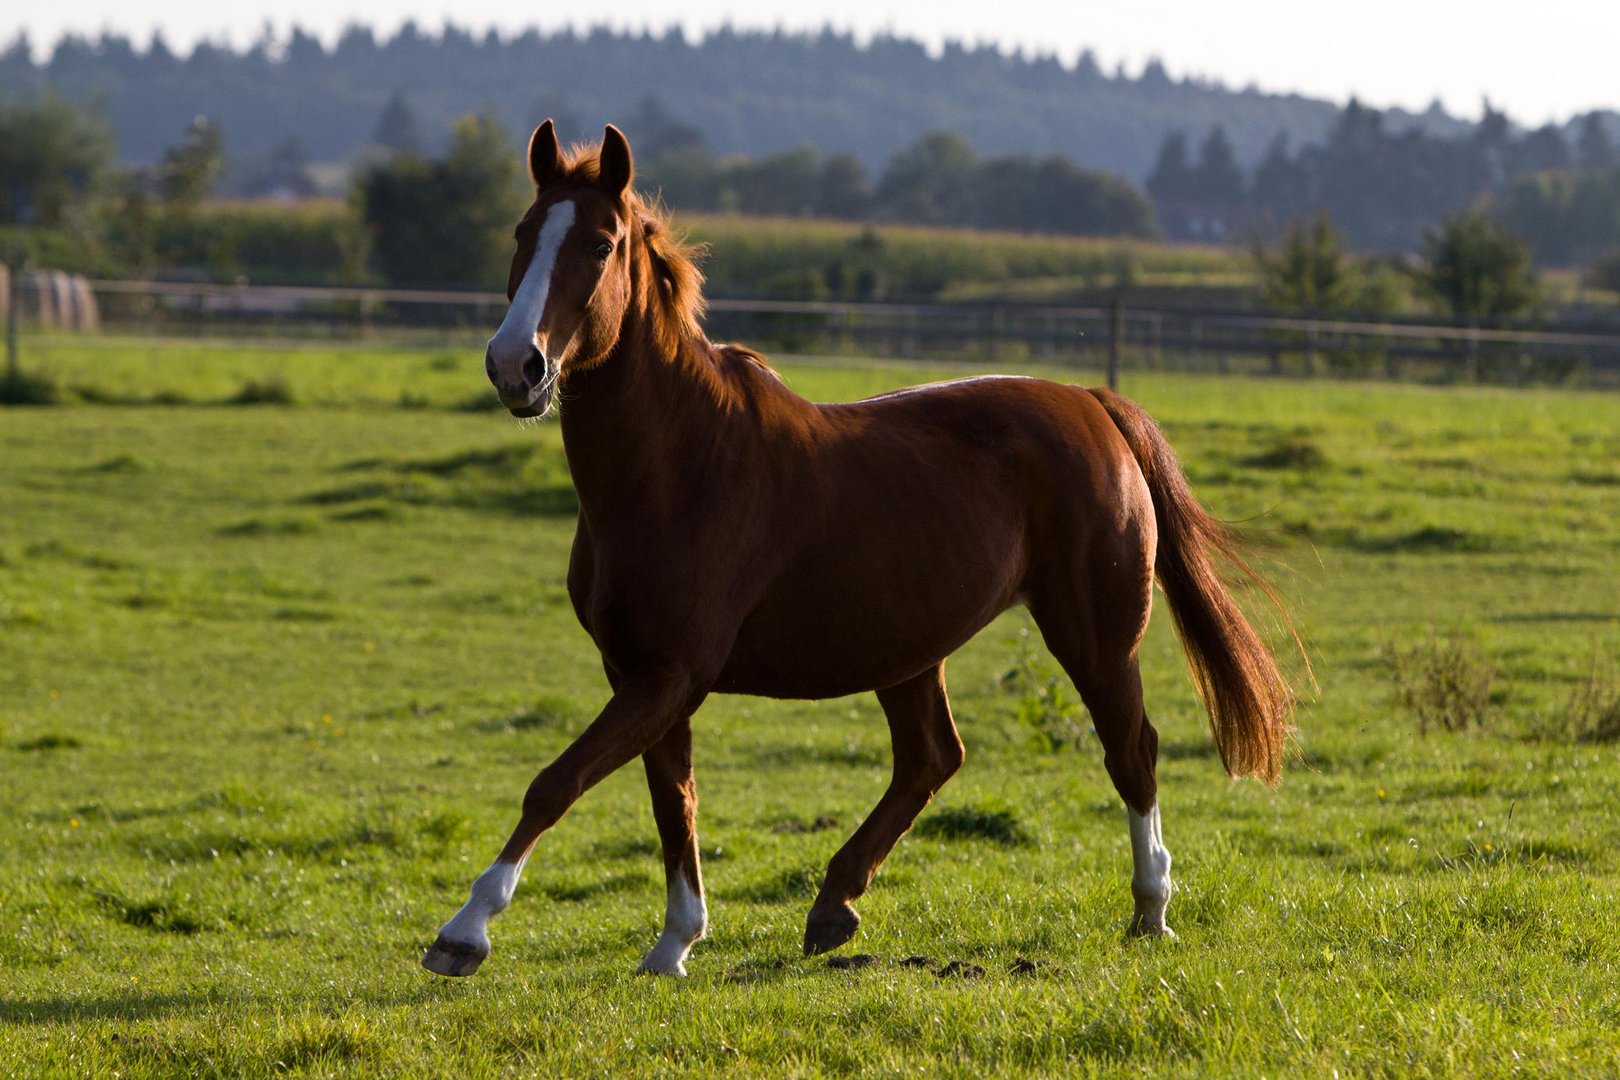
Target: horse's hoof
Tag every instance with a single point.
(653, 966)
(1143, 928)
(824, 932)
(453, 958)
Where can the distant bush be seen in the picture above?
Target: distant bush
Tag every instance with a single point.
(314, 242)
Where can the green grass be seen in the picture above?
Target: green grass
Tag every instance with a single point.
(275, 678)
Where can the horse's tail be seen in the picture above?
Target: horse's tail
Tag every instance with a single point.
(1249, 702)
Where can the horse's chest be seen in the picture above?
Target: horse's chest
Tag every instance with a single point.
(634, 605)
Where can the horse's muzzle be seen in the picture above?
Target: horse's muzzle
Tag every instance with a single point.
(530, 394)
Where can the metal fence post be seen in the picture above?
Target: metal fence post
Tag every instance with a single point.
(1116, 338)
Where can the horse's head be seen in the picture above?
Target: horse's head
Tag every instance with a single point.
(570, 279)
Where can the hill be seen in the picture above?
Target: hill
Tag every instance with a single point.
(746, 92)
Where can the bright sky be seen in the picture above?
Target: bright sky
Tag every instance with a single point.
(1539, 61)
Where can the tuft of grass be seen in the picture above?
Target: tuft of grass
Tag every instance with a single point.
(167, 913)
(550, 711)
(993, 821)
(1591, 713)
(268, 390)
(1296, 452)
(29, 388)
(52, 741)
(273, 525)
(1444, 682)
(117, 464)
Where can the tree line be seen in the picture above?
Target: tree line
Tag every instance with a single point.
(1385, 188)
(750, 93)
(413, 218)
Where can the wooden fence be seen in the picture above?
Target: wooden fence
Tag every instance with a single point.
(1105, 334)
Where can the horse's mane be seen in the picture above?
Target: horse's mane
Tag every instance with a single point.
(678, 303)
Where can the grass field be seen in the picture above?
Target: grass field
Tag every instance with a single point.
(273, 680)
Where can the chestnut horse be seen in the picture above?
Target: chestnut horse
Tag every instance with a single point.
(736, 538)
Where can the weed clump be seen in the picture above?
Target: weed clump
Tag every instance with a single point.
(1445, 682)
(1591, 714)
(1054, 716)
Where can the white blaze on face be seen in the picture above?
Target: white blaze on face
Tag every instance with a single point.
(511, 345)
(1150, 876)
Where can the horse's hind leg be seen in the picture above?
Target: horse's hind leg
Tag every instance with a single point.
(1094, 635)
(927, 752)
(674, 802)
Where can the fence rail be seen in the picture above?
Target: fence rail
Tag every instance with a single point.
(1101, 334)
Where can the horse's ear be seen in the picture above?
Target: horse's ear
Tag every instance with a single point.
(545, 156)
(616, 168)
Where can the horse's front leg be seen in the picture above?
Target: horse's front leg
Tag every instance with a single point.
(642, 709)
(674, 803)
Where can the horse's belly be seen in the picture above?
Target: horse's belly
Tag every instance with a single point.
(842, 635)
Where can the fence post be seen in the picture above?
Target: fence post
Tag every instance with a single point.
(1116, 338)
(12, 300)
(1473, 352)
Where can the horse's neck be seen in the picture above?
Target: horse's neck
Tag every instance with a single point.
(641, 422)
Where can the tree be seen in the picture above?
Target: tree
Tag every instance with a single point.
(1593, 147)
(191, 169)
(930, 181)
(1219, 179)
(1172, 177)
(655, 131)
(843, 191)
(397, 128)
(1604, 273)
(52, 157)
(1307, 271)
(1476, 269)
(1542, 150)
(446, 222)
(782, 184)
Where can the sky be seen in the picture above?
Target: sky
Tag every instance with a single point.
(1539, 62)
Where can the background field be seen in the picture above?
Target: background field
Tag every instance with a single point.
(275, 678)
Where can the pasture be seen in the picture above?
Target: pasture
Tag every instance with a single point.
(273, 679)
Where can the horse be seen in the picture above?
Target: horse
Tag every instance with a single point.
(735, 538)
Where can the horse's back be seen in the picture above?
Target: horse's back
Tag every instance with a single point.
(921, 517)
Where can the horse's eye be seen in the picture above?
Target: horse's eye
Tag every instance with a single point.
(603, 250)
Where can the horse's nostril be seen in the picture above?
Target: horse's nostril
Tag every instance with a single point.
(489, 366)
(534, 368)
